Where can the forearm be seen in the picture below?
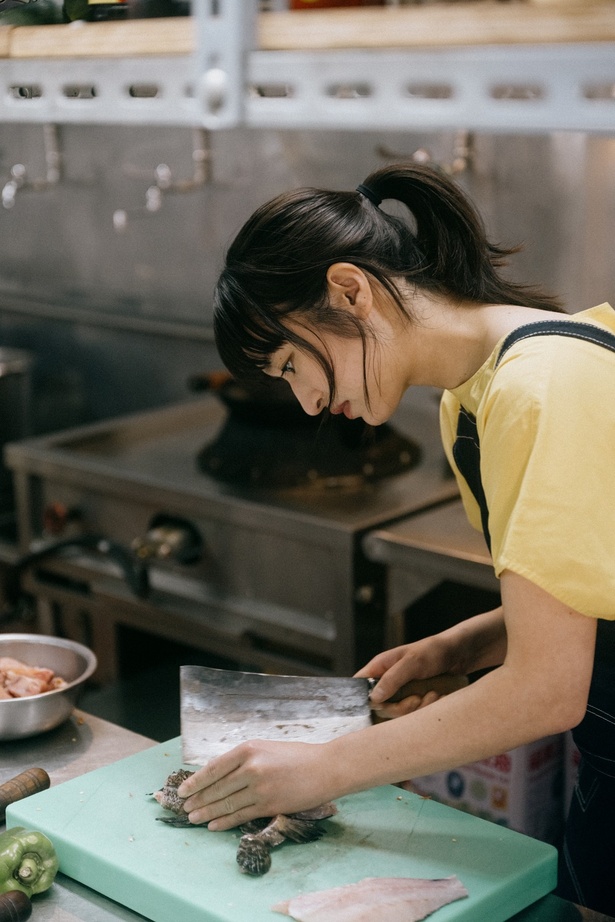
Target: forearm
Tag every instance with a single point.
(490, 716)
(476, 643)
(533, 694)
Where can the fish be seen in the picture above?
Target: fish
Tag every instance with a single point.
(258, 836)
(169, 799)
(387, 899)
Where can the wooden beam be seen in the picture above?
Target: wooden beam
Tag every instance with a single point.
(434, 25)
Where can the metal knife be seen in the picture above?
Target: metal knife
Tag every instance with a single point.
(221, 708)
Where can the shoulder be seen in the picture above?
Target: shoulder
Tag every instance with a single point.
(555, 373)
(571, 363)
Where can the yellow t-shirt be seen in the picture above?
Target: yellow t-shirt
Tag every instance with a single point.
(546, 424)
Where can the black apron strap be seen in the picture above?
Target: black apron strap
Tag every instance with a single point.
(466, 449)
(466, 452)
(573, 328)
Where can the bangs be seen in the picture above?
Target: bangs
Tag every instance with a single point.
(246, 334)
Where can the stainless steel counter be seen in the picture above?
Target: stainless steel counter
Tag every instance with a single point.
(81, 745)
(85, 743)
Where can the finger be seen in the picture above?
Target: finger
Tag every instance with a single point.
(211, 792)
(227, 812)
(379, 664)
(398, 709)
(372, 670)
(211, 773)
(388, 684)
(429, 698)
(218, 792)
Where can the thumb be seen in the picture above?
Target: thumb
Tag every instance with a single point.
(386, 686)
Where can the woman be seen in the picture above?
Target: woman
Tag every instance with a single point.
(351, 306)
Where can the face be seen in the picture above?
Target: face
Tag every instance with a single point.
(310, 386)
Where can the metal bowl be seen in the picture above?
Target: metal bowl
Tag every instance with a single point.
(21, 717)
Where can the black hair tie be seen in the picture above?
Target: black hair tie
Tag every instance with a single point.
(369, 194)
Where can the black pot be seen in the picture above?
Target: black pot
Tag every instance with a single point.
(268, 440)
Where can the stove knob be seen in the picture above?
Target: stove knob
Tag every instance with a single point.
(169, 538)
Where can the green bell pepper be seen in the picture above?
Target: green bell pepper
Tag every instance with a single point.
(28, 861)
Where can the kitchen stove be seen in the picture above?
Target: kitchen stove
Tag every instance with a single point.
(120, 525)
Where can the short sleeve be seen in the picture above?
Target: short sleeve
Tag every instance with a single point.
(546, 425)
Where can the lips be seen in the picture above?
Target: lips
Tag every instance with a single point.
(344, 408)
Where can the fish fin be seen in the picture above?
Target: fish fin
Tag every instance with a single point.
(317, 813)
(298, 830)
(255, 826)
(178, 821)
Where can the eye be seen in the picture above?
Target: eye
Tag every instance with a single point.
(287, 367)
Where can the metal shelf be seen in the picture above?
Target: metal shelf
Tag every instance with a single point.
(518, 88)
(224, 82)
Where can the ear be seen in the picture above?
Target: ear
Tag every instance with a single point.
(349, 288)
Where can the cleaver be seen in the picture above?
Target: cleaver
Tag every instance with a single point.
(221, 708)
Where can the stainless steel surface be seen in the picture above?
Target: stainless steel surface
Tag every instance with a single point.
(30, 716)
(221, 708)
(81, 744)
(117, 323)
(15, 393)
(282, 584)
(421, 552)
(439, 537)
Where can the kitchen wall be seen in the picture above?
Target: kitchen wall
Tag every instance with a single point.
(118, 321)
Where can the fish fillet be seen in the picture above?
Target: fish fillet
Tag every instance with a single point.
(388, 899)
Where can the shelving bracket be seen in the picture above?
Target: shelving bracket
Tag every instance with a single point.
(225, 34)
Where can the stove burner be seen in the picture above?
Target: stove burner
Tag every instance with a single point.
(334, 452)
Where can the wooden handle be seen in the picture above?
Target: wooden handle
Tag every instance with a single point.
(15, 906)
(29, 782)
(443, 684)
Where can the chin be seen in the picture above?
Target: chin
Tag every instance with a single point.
(377, 419)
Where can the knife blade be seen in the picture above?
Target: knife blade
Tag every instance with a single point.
(220, 708)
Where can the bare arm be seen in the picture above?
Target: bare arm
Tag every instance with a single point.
(471, 645)
(541, 688)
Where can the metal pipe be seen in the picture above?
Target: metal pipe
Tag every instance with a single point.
(19, 174)
(164, 184)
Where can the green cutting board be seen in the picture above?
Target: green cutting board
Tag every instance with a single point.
(103, 825)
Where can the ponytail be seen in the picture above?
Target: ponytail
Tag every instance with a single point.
(458, 257)
(277, 265)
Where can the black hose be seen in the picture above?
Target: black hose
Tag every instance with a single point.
(135, 571)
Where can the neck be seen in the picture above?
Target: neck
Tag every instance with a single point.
(448, 340)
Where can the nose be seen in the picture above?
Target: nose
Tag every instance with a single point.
(312, 401)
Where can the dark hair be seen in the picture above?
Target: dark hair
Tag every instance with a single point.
(277, 265)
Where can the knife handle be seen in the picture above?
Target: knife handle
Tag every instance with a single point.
(30, 781)
(442, 684)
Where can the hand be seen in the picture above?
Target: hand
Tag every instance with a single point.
(394, 668)
(258, 778)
